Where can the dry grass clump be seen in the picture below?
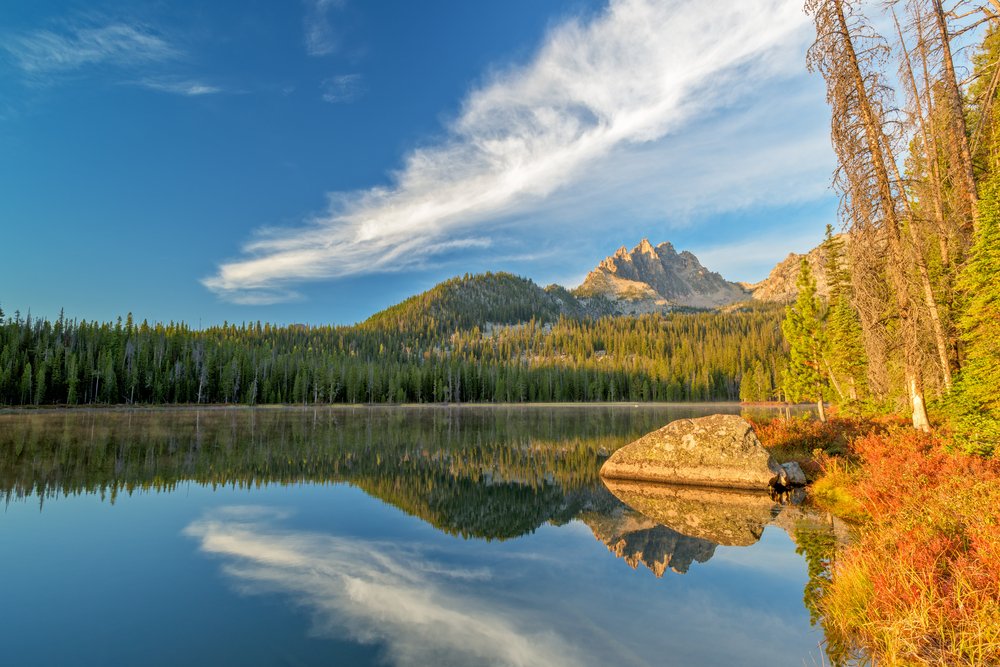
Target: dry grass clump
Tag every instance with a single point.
(833, 490)
(922, 583)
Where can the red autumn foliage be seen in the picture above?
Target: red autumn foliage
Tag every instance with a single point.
(904, 466)
(798, 439)
(929, 555)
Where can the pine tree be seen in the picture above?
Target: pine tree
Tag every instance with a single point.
(805, 378)
(748, 386)
(26, 383)
(976, 401)
(845, 353)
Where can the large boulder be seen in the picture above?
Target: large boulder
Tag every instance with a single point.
(718, 451)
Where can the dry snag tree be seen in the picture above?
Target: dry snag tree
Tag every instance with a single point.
(911, 229)
(849, 54)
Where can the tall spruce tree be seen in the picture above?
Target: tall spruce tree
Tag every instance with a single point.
(805, 377)
(845, 353)
(976, 398)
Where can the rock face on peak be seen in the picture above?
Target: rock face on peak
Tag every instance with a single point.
(654, 279)
(779, 286)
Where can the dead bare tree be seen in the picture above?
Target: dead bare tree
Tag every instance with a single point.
(850, 56)
(916, 114)
(966, 180)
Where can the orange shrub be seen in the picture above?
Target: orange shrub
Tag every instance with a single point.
(798, 439)
(922, 583)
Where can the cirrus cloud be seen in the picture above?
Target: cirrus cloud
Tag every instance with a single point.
(46, 52)
(603, 92)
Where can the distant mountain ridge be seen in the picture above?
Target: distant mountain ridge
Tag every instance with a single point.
(647, 279)
(780, 284)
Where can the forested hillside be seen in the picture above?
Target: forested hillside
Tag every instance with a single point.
(428, 349)
(475, 300)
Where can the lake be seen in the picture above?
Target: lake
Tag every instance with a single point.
(390, 536)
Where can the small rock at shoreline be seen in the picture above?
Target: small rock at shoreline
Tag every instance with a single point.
(791, 475)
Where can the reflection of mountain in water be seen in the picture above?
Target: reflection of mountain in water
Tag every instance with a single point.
(638, 539)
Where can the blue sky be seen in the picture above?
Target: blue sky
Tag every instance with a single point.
(317, 161)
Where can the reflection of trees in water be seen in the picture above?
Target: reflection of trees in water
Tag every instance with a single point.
(818, 543)
(472, 508)
(490, 472)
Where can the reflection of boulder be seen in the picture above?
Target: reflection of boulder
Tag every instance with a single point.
(718, 450)
(723, 516)
(638, 539)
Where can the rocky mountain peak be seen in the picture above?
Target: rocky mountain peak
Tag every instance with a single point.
(651, 279)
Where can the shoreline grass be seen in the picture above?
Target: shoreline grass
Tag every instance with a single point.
(920, 585)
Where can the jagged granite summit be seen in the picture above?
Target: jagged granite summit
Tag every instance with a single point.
(652, 279)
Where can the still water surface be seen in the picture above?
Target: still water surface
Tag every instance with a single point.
(427, 536)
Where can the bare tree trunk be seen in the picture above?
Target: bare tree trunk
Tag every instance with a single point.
(920, 420)
(897, 274)
(929, 136)
(957, 116)
(940, 342)
(940, 339)
(833, 379)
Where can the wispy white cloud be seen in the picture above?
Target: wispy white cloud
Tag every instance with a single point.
(342, 88)
(48, 52)
(186, 87)
(321, 38)
(415, 608)
(266, 297)
(601, 101)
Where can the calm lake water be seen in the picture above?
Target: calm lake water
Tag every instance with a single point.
(395, 536)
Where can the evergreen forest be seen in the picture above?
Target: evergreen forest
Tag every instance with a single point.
(429, 349)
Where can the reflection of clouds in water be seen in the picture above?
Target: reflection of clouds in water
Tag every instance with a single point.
(773, 555)
(377, 592)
